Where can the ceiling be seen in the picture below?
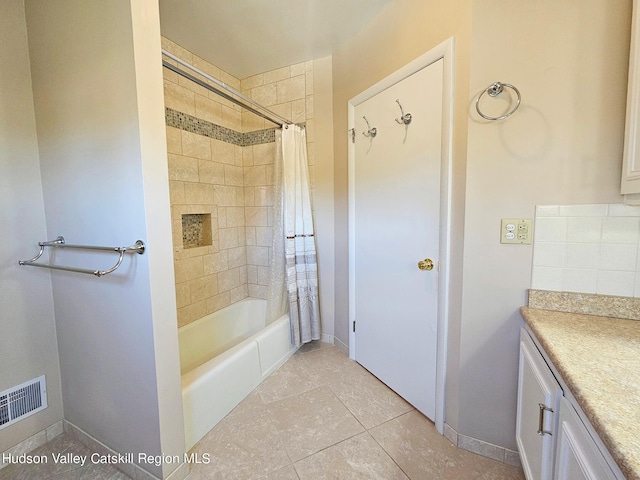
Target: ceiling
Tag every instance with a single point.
(247, 37)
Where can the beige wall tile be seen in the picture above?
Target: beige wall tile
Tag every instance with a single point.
(203, 287)
(198, 194)
(251, 82)
(309, 82)
(188, 268)
(291, 89)
(258, 291)
(263, 196)
(235, 217)
(238, 293)
(183, 295)
(231, 118)
(252, 274)
(211, 172)
(197, 146)
(176, 50)
(208, 109)
(228, 238)
(250, 236)
(252, 122)
(183, 168)
(239, 196)
(237, 257)
(309, 106)
(222, 152)
(228, 279)
(247, 156)
(206, 67)
(230, 80)
(216, 262)
(282, 109)
(174, 140)
(176, 192)
(256, 216)
(191, 313)
(276, 75)
(249, 196)
(179, 98)
(233, 175)
(255, 176)
(264, 273)
(192, 86)
(298, 111)
(224, 196)
(264, 154)
(265, 95)
(218, 302)
(264, 236)
(258, 256)
(297, 69)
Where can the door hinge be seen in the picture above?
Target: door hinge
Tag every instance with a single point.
(354, 325)
(353, 135)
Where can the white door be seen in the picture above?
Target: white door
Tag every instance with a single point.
(396, 224)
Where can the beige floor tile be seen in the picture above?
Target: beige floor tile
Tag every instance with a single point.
(311, 421)
(412, 441)
(242, 446)
(253, 402)
(314, 345)
(286, 473)
(366, 397)
(359, 457)
(327, 363)
(502, 471)
(292, 378)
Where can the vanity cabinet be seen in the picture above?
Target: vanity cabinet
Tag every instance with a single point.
(630, 185)
(577, 456)
(539, 395)
(553, 441)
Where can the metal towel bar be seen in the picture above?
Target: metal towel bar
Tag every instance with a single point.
(60, 243)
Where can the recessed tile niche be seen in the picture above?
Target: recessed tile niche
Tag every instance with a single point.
(196, 230)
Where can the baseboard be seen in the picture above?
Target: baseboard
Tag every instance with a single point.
(34, 441)
(479, 447)
(344, 348)
(129, 468)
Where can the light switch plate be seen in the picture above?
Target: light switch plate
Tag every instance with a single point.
(516, 230)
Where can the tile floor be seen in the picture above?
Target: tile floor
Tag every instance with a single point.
(323, 416)
(319, 416)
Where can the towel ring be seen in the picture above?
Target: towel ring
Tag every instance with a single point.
(494, 90)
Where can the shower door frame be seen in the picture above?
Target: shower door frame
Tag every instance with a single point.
(444, 51)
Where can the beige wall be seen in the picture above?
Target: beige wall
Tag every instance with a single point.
(563, 146)
(28, 341)
(404, 30)
(98, 96)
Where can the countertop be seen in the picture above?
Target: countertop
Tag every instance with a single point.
(598, 359)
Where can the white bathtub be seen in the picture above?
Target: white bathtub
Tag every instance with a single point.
(223, 357)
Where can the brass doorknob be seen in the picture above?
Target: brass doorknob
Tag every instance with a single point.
(426, 264)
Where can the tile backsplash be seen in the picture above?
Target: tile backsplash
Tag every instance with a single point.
(587, 249)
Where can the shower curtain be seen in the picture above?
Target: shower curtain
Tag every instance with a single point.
(294, 262)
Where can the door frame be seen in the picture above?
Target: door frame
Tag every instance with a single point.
(444, 51)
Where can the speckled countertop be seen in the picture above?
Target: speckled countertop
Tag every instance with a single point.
(598, 358)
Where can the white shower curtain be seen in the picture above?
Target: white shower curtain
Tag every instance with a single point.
(294, 260)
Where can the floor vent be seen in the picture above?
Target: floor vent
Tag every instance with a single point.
(21, 401)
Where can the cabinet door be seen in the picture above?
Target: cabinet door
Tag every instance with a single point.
(577, 457)
(538, 400)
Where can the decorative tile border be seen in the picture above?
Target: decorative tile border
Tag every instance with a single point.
(586, 303)
(189, 123)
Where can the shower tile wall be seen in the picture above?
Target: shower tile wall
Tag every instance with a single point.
(227, 173)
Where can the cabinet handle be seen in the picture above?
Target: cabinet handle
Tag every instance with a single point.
(541, 430)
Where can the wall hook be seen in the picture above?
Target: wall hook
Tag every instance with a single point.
(372, 132)
(405, 119)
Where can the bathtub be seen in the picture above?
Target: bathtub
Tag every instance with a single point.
(223, 357)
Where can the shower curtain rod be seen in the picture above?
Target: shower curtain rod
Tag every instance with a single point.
(245, 101)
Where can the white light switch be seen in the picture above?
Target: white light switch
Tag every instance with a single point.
(516, 230)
